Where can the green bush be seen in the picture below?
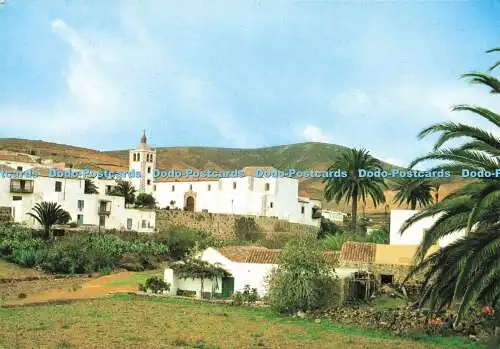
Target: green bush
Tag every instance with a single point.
(327, 227)
(303, 280)
(145, 200)
(156, 285)
(378, 236)
(182, 240)
(276, 241)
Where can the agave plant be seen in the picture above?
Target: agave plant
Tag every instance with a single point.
(467, 271)
(48, 214)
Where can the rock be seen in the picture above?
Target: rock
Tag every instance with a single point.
(149, 291)
(301, 314)
(317, 321)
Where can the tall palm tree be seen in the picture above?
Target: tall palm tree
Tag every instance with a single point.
(48, 214)
(467, 271)
(412, 191)
(354, 187)
(125, 189)
(90, 187)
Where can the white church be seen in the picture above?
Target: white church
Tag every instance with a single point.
(246, 195)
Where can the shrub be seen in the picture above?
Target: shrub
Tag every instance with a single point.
(156, 285)
(145, 200)
(246, 229)
(327, 227)
(182, 240)
(275, 241)
(303, 280)
(378, 236)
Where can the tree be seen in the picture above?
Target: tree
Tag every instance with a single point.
(303, 279)
(354, 187)
(90, 187)
(48, 214)
(467, 271)
(125, 189)
(412, 191)
(145, 200)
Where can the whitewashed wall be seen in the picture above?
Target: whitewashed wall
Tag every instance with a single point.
(414, 234)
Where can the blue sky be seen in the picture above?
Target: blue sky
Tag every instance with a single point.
(241, 73)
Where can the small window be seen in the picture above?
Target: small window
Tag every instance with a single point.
(234, 185)
(144, 223)
(17, 198)
(386, 279)
(302, 210)
(209, 187)
(138, 156)
(149, 169)
(148, 182)
(154, 187)
(173, 188)
(266, 187)
(81, 204)
(190, 187)
(271, 204)
(58, 187)
(129, 223)
(19, 168)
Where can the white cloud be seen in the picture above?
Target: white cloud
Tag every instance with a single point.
(314, 134)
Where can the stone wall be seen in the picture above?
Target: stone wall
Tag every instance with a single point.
(222, 226)
(5, 214)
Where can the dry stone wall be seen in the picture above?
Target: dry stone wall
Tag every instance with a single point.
(5, 214)
(222, 226)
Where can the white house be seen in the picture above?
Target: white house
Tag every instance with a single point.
(99, 210)
(414, 234)
(248, 265)
(334, 216)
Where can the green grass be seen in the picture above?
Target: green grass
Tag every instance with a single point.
(387, 302)
(135, 278)
(131, 321)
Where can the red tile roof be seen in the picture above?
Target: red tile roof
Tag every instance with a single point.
(359, 251)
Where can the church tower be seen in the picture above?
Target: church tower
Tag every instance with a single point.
(143, 160)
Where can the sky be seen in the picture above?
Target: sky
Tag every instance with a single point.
(246, 74)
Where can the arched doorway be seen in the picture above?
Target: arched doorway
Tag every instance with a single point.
(190, 203)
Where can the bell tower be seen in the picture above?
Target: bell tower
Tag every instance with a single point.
(143, 160)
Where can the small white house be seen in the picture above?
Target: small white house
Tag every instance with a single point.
(248, 265)
(334, 216)
(415, 233)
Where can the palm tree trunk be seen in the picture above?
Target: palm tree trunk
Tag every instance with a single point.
(354, 212)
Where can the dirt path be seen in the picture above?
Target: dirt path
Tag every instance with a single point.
(95, 288)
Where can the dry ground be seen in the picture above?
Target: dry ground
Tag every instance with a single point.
(150, 322)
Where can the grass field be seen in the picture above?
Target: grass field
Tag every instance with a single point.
(126, 321)
(12, 271)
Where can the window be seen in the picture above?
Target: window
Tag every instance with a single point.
(209, 187)
(154, 187)
(144, 223)
(173, 188)
(79, 219)
(17, 198)
(58, 187)
(234, 185)
(80, 204)
(271, 204)
(190, 187)
(129, 223)
(149, 169)
(386, 279)
(19, 168)
(266, 187)
(302, 210)
(148, 181)
(102, 221)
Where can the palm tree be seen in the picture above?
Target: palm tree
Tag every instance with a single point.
(354, 187)
(90, 187)
(48, 214)
(412, 191)
(467, 271)
(125, 189)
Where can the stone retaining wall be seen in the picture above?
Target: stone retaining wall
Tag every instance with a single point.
(222, 226)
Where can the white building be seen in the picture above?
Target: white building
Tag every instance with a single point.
(248, 265)
(333, 216)
(99, 210)
(415, 233)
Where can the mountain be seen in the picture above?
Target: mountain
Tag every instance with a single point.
(300, 156)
